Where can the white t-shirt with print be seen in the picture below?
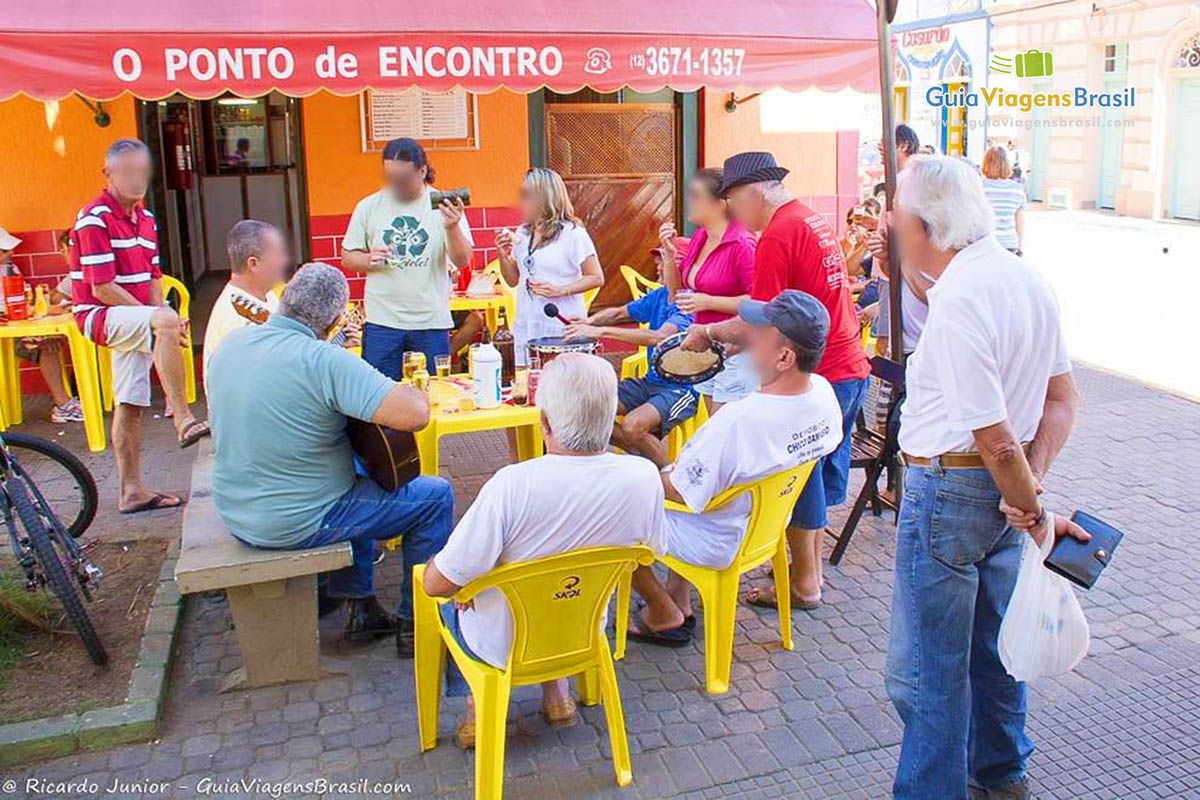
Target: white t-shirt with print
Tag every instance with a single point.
(557, 262)
(543, 507)
(412, 292)
(744, 441)
(224, 319)
(991, 344)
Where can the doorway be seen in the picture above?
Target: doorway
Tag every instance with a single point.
(619, 155)
(1185, 177)
(221, 161)
(1112, 127)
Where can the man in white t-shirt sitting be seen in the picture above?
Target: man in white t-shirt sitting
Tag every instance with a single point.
(578, 495)
(793, 418)
(258, 261)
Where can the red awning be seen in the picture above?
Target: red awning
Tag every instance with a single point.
(154, 48)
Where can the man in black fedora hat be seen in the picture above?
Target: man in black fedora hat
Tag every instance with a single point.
(797, 249)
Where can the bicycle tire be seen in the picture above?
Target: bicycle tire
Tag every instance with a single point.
(89, 495)
(52, 566)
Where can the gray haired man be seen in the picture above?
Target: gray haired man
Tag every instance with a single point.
(118, 303)
(990, 403)
(284, 479)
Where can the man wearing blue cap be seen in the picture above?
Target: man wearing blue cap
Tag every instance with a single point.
(792, 419)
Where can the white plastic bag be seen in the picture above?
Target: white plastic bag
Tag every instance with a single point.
(1044, 631)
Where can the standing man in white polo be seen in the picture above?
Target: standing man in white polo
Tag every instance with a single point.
(990, 403)
(118, 303)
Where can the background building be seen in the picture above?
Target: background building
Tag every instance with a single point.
(1142, 161)
(941, 49)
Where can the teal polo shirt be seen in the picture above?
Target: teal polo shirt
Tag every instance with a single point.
(278, 399)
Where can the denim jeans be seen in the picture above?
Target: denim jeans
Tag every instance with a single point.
(827, 484)
(420, 512)
(956, 567)
(384, 347)
(456, 684)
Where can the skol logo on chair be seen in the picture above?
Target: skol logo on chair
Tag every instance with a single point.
(569, 590)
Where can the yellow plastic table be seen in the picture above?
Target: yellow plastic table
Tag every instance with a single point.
(83, 357)
(525, 420)
(490, 305)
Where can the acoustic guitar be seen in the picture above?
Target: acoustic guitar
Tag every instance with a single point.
(389, 456)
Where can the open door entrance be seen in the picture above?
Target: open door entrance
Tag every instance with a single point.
(221, 161)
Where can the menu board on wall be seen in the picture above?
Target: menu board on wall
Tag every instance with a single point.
(439, 120)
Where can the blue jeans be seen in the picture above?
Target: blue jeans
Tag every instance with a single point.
(456, 684)
(956, 567)
(827, 484)
(421, 512)
(384, 347)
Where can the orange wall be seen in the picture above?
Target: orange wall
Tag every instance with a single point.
(50, 159)
(340, 173)
(811, 157)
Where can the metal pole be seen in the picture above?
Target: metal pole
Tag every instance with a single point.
(885, 12)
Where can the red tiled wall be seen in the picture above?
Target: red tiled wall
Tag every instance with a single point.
(325, 238)
(38, 260)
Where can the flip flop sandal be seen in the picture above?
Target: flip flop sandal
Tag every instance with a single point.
(156, 502)
(193, 432)
(689, 622)
(672, 637)
(760, 599)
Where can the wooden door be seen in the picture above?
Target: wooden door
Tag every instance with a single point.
(619, 163)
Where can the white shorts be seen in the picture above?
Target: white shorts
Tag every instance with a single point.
(127, 331)
(734, 382)
(694, 539)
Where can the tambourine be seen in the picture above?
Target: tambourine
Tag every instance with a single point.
(672, 342)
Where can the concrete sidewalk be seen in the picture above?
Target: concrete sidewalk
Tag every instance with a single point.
(811, 723)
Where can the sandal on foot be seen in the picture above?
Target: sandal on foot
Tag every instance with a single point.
(562, 714)
(759, 598)
(193, 432)
(671, 637)
(153, 503)
(464, 733)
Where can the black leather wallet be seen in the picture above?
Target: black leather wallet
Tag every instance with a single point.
(1082, 562)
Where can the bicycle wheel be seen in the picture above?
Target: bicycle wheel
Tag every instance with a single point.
(51, 562)
(64, 484)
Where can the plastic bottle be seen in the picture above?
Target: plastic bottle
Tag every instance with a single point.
(485, 374)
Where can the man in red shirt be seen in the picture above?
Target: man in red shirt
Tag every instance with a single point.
(797, 249)
(118, 303)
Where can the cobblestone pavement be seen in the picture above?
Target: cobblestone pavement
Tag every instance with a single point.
(811, 723)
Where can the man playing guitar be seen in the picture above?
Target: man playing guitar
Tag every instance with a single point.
(283, 479)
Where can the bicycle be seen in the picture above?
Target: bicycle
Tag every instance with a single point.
(45, 548)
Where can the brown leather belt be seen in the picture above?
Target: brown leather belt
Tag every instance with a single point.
(952, 460)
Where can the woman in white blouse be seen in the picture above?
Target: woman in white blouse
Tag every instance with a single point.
(550, 259)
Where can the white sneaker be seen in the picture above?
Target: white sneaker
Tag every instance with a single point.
(69, 411)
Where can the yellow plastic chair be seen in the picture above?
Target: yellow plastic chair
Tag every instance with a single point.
(509, 292)
(635, 365)
(104, 355)
(685, 430)
(639, 284)
(771, 502)
(557, 604)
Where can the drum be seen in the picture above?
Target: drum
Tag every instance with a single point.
(547, 347)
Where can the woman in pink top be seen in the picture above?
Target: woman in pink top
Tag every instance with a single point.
(712, 276)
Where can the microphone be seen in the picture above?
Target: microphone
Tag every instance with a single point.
(552, 312)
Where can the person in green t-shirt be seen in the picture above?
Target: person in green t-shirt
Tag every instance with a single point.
(408, 250)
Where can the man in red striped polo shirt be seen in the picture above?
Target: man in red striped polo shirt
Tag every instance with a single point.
(118, 303)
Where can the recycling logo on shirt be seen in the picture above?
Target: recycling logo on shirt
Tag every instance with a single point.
(407, 240)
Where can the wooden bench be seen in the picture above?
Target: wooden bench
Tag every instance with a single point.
(272, 593)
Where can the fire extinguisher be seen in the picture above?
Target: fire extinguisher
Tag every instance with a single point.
(14, 293)
(177, 147)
